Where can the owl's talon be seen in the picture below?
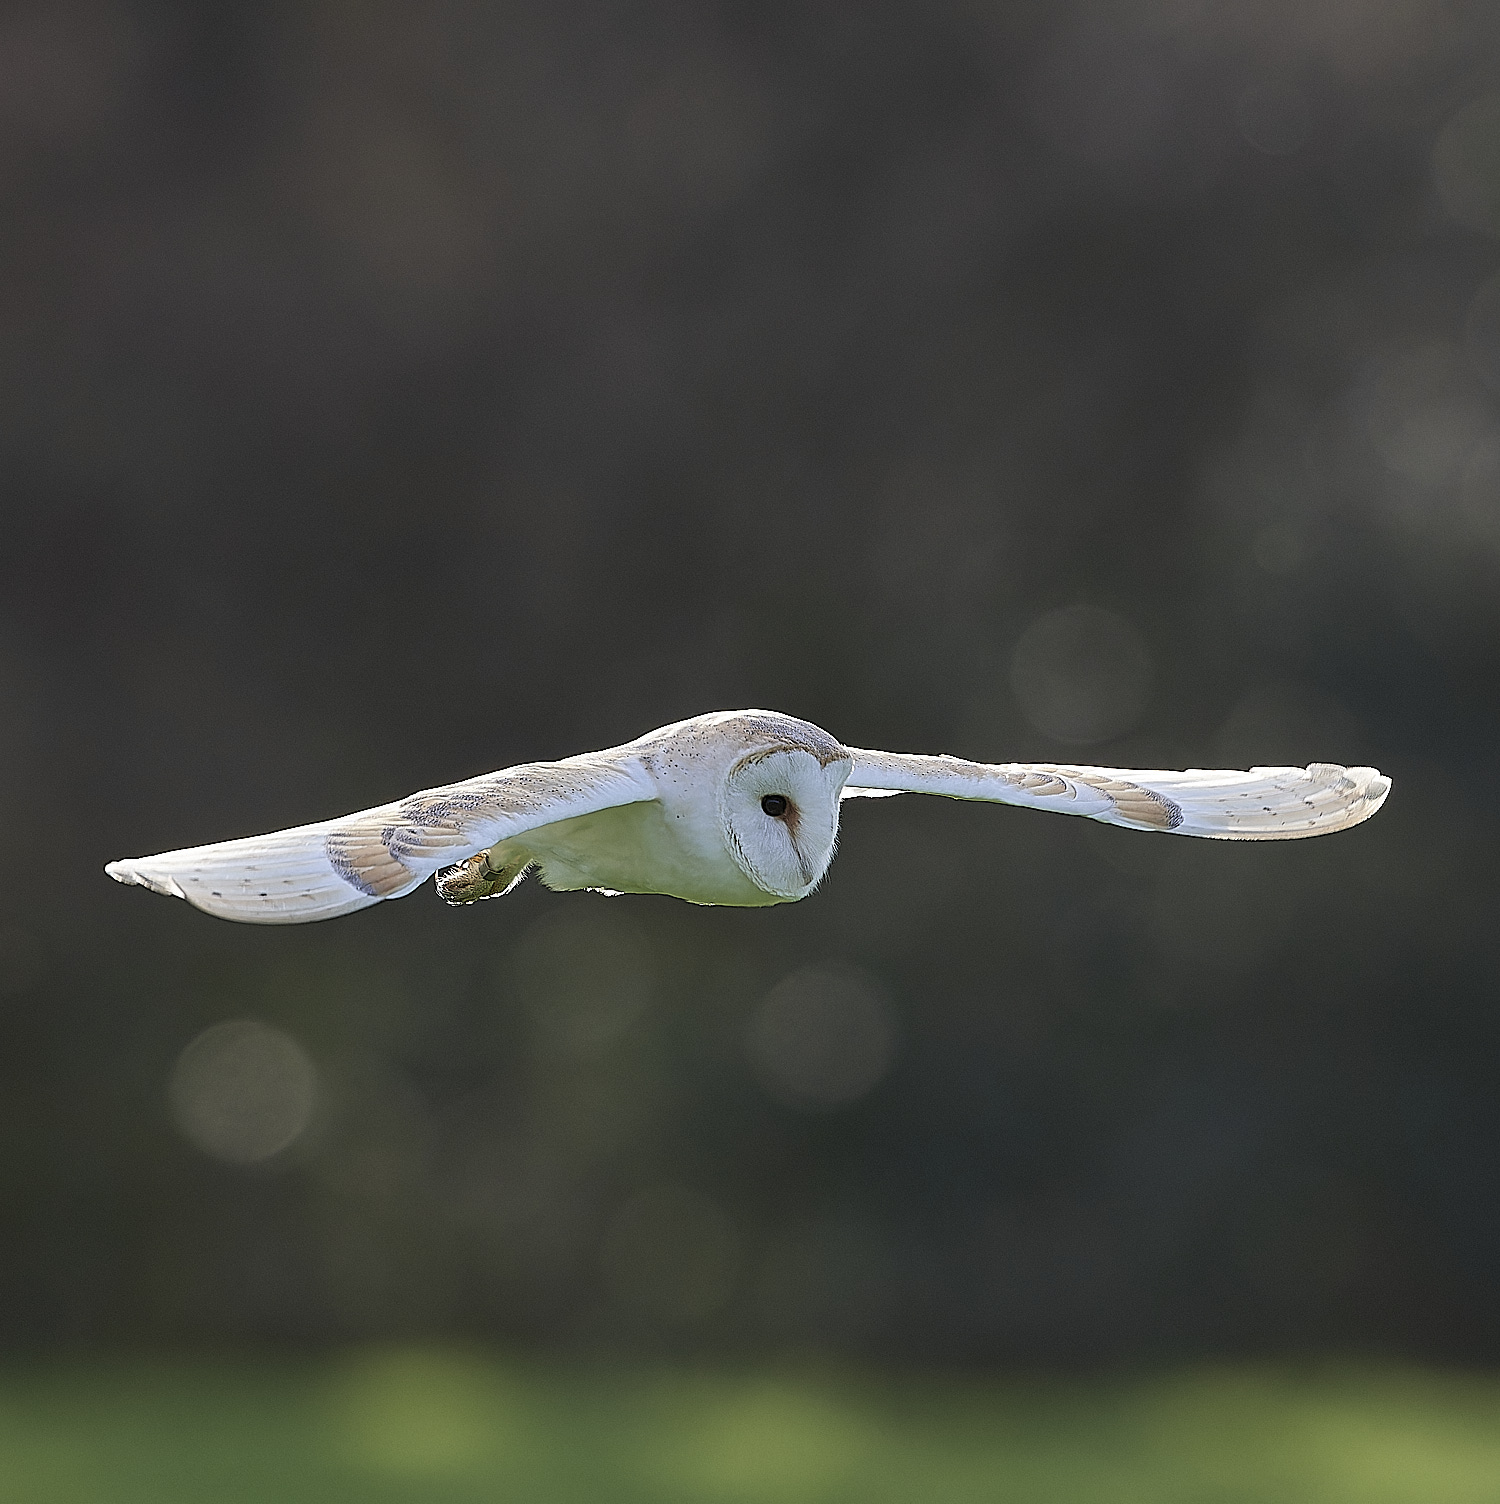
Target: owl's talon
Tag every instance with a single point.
(472, 880)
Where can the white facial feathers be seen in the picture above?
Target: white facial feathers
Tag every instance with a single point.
(780, 810)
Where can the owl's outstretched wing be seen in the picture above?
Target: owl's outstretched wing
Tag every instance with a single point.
(337, 866)
(1264, 804)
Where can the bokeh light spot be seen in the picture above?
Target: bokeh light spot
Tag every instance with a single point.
(670, 1253)
(242, 1091)
(822, 1037)
(1466, 165)
(1082, 674)
(1425, 413)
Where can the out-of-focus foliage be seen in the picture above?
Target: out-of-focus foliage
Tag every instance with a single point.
(397, 391)
(450, 1427)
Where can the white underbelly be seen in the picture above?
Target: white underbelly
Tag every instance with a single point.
(641, 848)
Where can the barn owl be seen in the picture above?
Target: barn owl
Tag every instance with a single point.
(738, 807)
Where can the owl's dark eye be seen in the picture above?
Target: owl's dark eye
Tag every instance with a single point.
(775, 805)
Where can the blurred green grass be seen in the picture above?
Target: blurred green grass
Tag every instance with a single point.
(418, 1424)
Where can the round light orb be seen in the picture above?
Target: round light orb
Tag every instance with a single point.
(242, 1091)
(822, 1037)
(1082, 674)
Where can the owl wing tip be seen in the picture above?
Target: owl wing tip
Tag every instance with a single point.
(131, 873)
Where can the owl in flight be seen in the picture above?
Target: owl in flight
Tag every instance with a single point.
(737, 807)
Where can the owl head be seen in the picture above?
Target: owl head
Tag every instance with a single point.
(779, 808)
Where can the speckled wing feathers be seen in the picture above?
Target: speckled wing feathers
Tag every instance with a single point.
(336, 866)
(1263, 804)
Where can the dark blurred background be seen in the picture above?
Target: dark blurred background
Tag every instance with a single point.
(395, 392)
